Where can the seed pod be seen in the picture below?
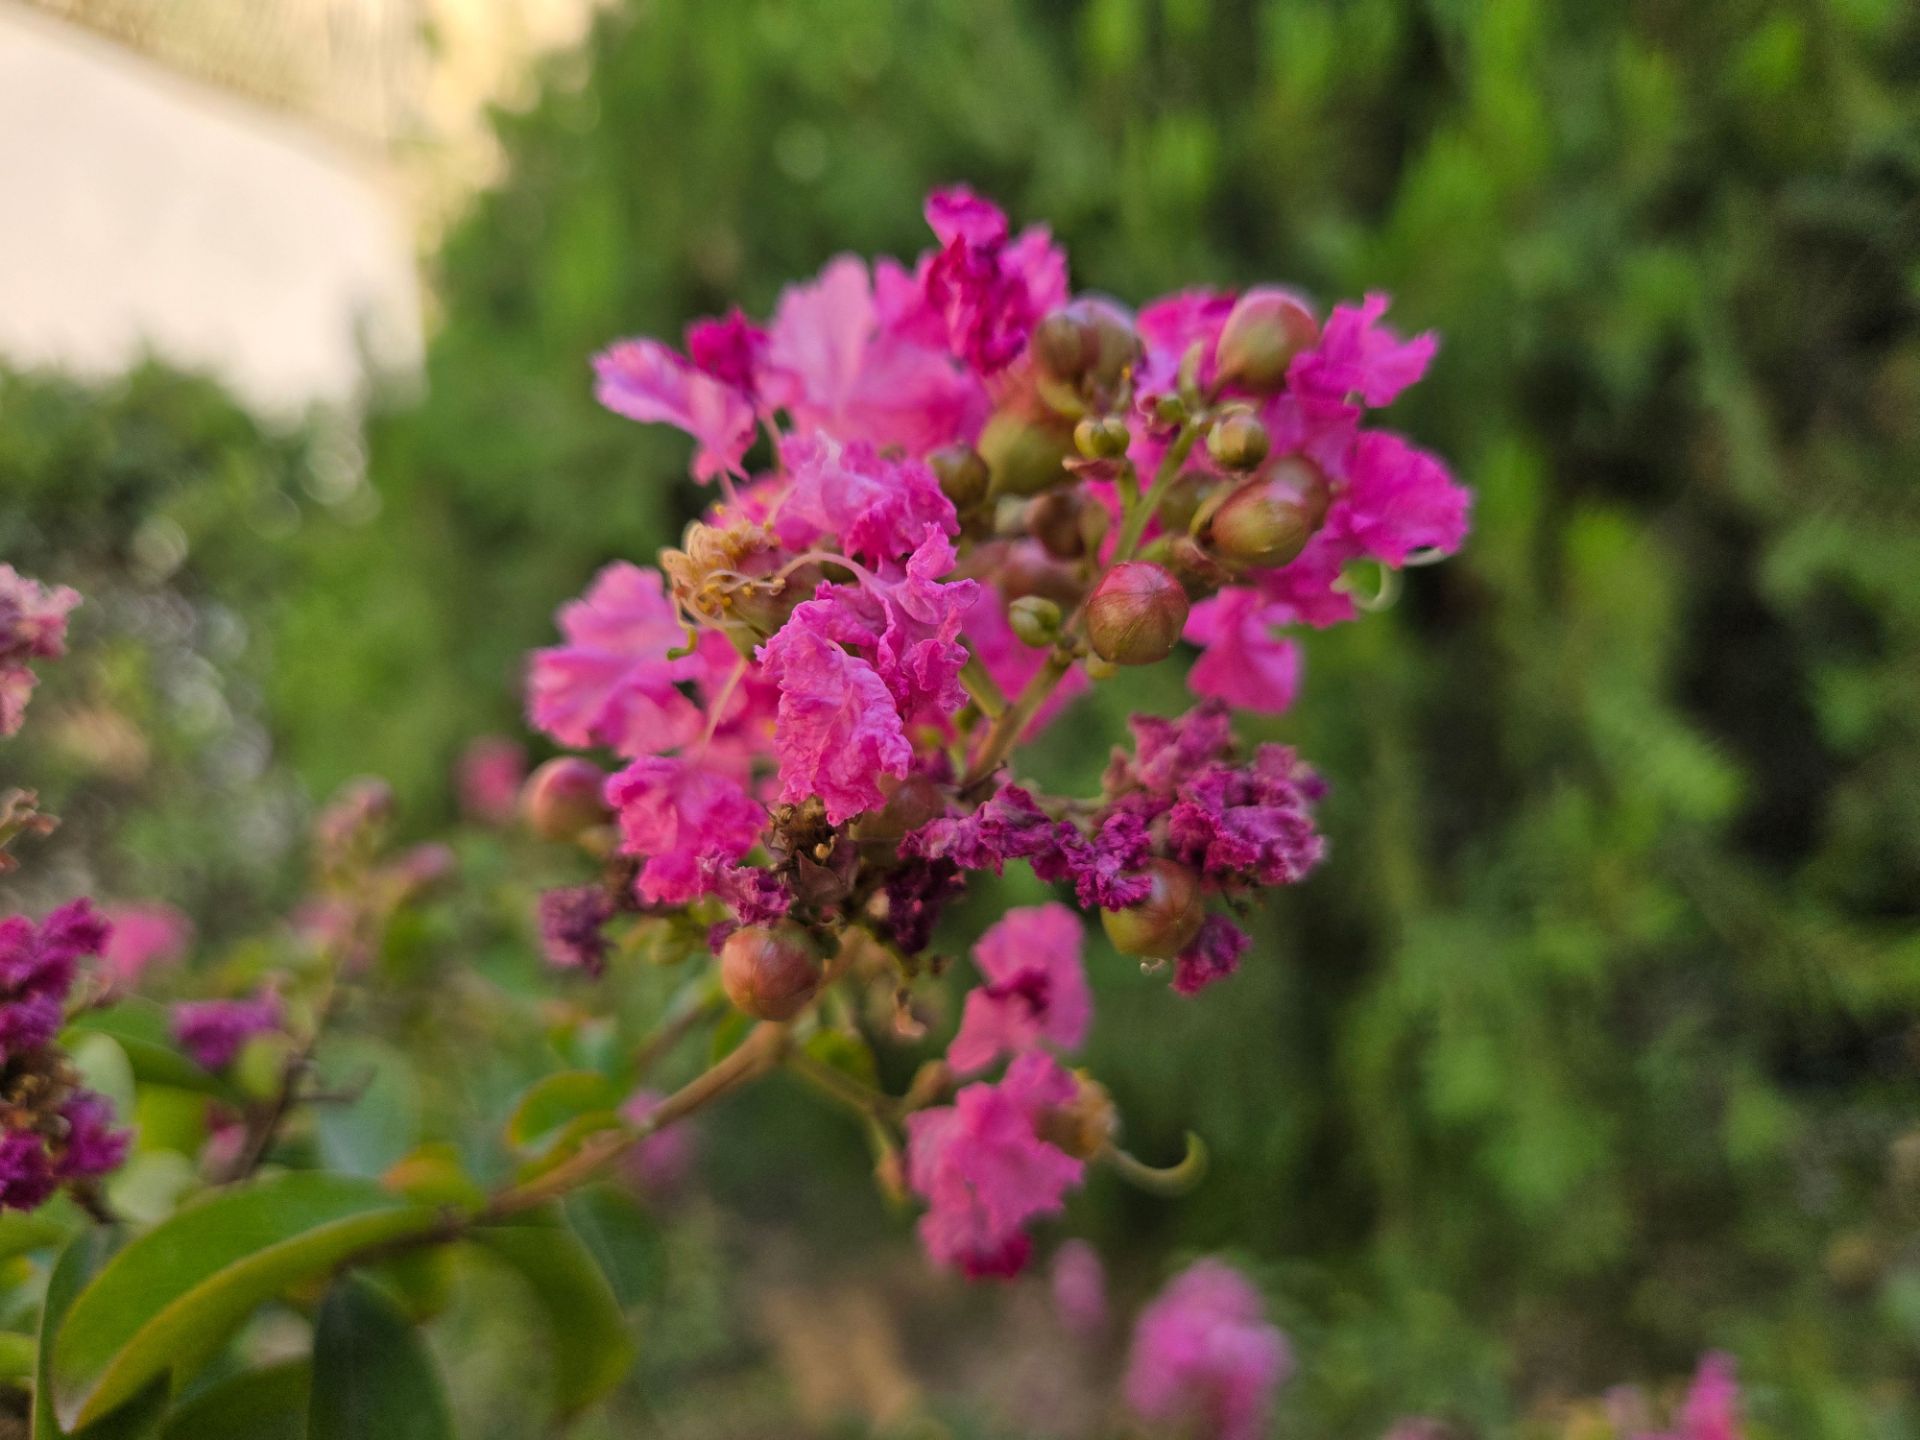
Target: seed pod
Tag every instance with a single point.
(1269, 521)
(1265, 329)
(1064, 346)
(1023, 455)
(1029, 570)
(962, 474)
(771, 972)
(1163, 924)
(1238, 440)
(562, 799)
(1035, 619)
(1135, 615)
(1103, 437)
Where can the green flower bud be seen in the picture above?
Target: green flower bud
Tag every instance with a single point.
(771, 972)
(1238, 440)
(1135, 614)
(962, 474)
(1035, 619)
(1163, 924)
(1264, 331)
(1054, 520)
(1268, 522)
(1023, 456)
(1103, 437)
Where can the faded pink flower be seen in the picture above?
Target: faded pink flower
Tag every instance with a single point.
(1205, 1363)
(675, 813)
(573, 921)
(614, 683)
(1079, 1284)
(488, 779)
(1244, 662)
(1035, 990)
(984, 1171)
(659, 1164)
(838, 730)
(1711, 1410)
(644, 380)
(142, 937)
(33, 626)
(1357, 355)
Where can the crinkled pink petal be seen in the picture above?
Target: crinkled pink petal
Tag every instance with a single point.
(1357, 355)
(837, 730)
(1398, 499)
(1244, 662)
(676, 812)
(644, 380)
(877, 509)
(1035, 990)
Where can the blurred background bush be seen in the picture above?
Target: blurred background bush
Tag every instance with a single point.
(1597, 1042)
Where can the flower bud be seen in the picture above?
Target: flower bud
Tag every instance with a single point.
(1163, 924)
(1238, 440)
(1087, 1126)
(1035, 619)
(1116, 347)
(1264, 331)
(1054, 520)
(911, 803)
(770, 972)
(1135, 615)
(562, 799)
(1029, 570)
(962, 474)
(1064, 347)
(1023, 455)
(1102, 437)
(1269, 521)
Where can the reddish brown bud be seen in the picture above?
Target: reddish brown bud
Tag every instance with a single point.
(562, 799)
(1264, 331)
(1269, 521)
(770, 972)
(1054, 520)
(1163, 924)
(1238, 440)
(913, 802)
(1135, 615)
(962, 474)
(1023, 455)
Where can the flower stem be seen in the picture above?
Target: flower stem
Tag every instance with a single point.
(1135, 525)
(1012, 720)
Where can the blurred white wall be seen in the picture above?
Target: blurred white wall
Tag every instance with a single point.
(143, 211)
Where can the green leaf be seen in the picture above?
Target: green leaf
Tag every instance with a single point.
(591, 1350)
(367, 1134)
(167, 1302)
(623, 1238)
(105, 1069)
(849, 1054)
(17, 1355)
(373, 1378)
(22, 1230)
(552, 1104)
(86, 1253)
(265, 1404)
(143, 1030)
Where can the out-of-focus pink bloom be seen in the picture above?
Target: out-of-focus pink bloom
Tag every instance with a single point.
(1214, 954)
(644, 380)
(613, 682)
(1171, 327)
(675, 812)
(213, 1031)
(658, 1165)
(984, 1171)
(33, 626)
(990, 290)
(1246, 663)
(143, 937)
(37, 966)
(488, 778)
(732, 349)
(838, 729)
(1036, 989)
(1079, 1283)
(1711, 1410)
(1357, 355)
(836, 367)
(1205, 1363)
(324, 922)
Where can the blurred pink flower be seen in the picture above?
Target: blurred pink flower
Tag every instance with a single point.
(1205, 1363)
(144, 936)
(1079, 1283)
(658, 1165)
(1036, 989)
(488, 778)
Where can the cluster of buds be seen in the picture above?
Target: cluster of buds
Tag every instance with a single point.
(951, 495)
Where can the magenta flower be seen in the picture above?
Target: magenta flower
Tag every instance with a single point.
(142, 937)
(1357, 355)
(614, 682)
(838, 729)
(1214, 954)
(984, 1171)
(33, 626)
(489, 777)
(876, 509)
(573, 923)
(674, 813)
(658, 1165)
(1250, 824)
(213, 1031)
(1204, 1362)
(989, 290)
(1036, 989)
(644, 380)
(1245, 662)
(37, 966)
(732, 349)
(1711, 1410)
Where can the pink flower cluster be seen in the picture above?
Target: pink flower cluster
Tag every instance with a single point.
(52, 1129)
(1204, 1361)
(33, 626)
(214, 1031)
(951, 494)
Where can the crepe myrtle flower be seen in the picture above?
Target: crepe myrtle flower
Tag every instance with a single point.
(947, 494)
(33, 626)
(1204, 1361)
(213, 1032)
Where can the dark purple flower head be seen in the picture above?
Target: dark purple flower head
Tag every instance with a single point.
(37, 965)
(1212, 955)
(732, 349)
(212, 1031)
(573, 927)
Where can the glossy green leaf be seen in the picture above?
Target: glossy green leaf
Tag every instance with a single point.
(366, 1134)
(170, 1299)
(623, 1238)
(265, 1404)
(373, 1377)
(87, 1252)
(553, 1103)
(591, 1349)
(17, 1353)
(849, 1054)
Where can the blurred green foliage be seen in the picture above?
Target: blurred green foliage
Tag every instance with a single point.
(1587, 1049)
